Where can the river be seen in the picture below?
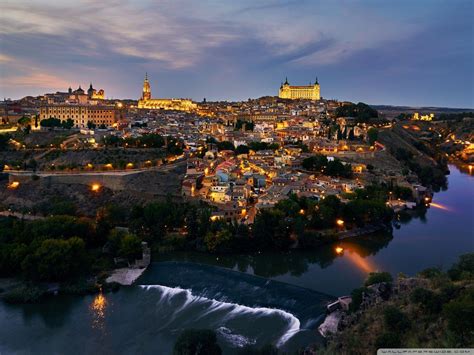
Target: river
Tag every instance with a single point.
(254, 299)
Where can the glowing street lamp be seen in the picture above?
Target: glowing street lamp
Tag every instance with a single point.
(339, 250)
(340, 222)
(14, 185)
(95, 187)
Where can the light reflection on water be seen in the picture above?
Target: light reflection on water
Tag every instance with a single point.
(352, 252)
(98, 309)
(441, 207)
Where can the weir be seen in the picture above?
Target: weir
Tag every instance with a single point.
(238, 288)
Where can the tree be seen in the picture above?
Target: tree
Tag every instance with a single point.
(315, 163)
(197, 342)
(395, 320)
(56, 260)
(362, 112)
(218, 241)
(372, 135)
(4, 139)
(91, 125)
(24, 121)
(225, 145)
(388, 340)
(377, 277)
(67, 124)
(50, 122)
(270, 229)
(130, 247)
(460, 316)
(338, 169)
(242, 149)
(463, 269)
(351, 136)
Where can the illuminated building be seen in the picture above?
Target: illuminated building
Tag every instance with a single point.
(418, 117)
(80, 114)
(165, 104)
(310, 92)
(95, 94)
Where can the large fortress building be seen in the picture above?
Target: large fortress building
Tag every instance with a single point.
(166, 104)
(310, 92)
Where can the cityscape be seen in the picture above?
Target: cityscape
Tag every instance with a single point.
(181, 218)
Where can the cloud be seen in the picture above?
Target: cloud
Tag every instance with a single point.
(241, 48)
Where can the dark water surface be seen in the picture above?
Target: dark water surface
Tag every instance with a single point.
(282, 304)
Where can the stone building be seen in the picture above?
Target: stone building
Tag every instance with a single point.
(146, 101)
(309, 92)
(81, 114)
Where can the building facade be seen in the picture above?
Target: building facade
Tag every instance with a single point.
(147, 102)
(81, 114)
(310, 92)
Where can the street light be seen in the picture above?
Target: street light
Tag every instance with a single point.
(340, 222)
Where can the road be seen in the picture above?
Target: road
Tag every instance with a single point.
(165, 167)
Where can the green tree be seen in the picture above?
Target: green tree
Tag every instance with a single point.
(372, 135)
(4, 139)
(315, 163)
(130, 247)
(225, 145)
(377, 277)
(388, 340)
(242, 149)
(218, 241)
(460, 316)
(56, 260)
(463, 269)
(197, 342)
(395, 320)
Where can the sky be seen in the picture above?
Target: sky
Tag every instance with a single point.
(406, 52)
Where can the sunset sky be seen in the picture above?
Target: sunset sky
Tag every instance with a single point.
(380, 52)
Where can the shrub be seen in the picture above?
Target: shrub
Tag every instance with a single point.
(378, 277)
(460, 316)
(24, 294)
(463, 269)
(430, 273)
(388, 340)
(429, 300)
(395, 320)
(357, 298)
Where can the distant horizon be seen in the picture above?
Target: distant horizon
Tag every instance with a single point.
(255, 98)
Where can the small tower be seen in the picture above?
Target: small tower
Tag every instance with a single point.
(90, 91)
(146, 93)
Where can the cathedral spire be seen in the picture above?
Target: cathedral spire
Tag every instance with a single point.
(316, 82)
(286, 81)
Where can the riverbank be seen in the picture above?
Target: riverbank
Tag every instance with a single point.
(433, 309)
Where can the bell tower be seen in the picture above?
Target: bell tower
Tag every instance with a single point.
(146, 93)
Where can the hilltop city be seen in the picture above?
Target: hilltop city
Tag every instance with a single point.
(239, 157)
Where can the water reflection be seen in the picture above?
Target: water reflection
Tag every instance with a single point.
(98, 309)
(440, 206)
(356, 256)
(294, 263)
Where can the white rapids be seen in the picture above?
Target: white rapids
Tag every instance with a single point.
(183, 298)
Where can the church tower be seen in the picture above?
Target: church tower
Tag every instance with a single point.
(146, 94)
